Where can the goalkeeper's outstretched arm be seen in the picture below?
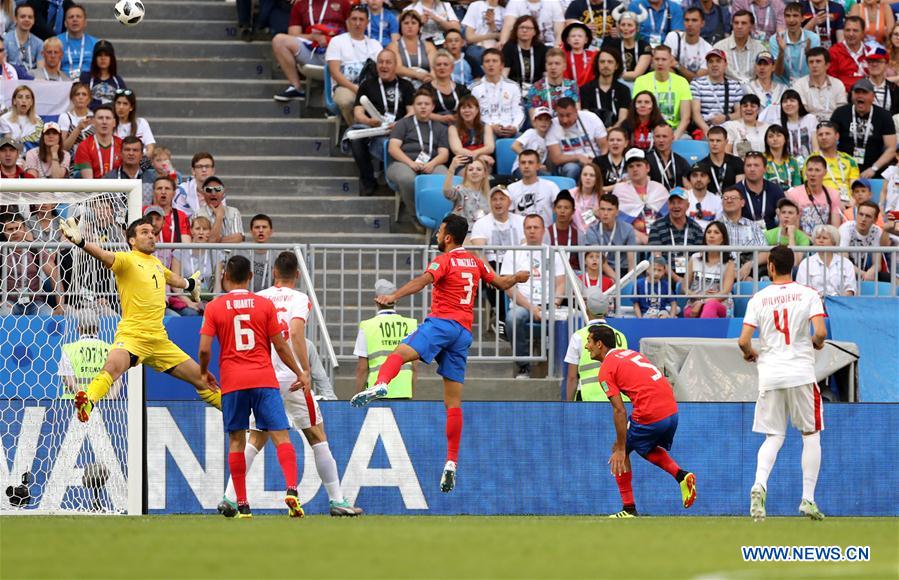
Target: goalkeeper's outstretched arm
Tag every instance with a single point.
(71, 230)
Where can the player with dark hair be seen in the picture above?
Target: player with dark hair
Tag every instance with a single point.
(445, 334)
(787, 384)
(650, 429)
(247, 329)
(140, 336)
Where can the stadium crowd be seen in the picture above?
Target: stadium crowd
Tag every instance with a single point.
(753, 123)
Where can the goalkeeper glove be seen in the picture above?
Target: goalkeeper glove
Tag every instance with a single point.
(72, 231)
(193, 286)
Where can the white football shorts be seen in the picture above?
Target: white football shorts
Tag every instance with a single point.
(802, 404)
(302, 409)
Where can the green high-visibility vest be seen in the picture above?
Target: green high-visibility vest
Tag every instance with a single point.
(87, 357)
(588, 369)
(382, 334)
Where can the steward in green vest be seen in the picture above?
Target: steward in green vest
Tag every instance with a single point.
(82, 359)
(380, 335)
(583, 371)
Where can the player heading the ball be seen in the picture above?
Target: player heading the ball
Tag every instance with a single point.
(140, 336)
(247, 329)
(445, 335)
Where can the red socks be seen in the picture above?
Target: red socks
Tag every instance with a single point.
(238, 466)
(453, 433)
(287, 457)
(624, 487)
(390, 369)
(660, 458)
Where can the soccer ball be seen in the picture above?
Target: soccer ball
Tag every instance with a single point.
(129, 12)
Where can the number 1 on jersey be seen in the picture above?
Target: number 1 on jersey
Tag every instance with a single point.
(469, 287)
(782, 328)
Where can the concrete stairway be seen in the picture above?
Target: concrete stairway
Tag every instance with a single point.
(202, 89)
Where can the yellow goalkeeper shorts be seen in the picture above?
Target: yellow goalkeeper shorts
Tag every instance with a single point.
(155, 350)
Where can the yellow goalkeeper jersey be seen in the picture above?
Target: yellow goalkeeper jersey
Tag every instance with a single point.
(141, 281)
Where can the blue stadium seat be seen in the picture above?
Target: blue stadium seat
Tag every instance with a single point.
(330, 105)
(562, 182)
(869, 288)
(505, 157)
(431, 206)
(691, 150)
(876, 189)
(747, 289)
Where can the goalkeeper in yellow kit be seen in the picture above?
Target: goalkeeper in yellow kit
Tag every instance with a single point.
(140, 337)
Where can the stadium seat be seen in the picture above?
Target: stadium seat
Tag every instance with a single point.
(691, 150)
(330, 105)
(431, 206)
(747, 289)
(505, 157)
(876, 189)
(562, 182)
(869, 288)
(393, 187)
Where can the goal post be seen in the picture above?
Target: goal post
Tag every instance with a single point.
(59, 309)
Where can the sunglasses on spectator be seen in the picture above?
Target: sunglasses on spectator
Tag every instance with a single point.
(359, 8)
(214, 189)
(758, 154)
(827, 124)
(731, 198)
(125, 92)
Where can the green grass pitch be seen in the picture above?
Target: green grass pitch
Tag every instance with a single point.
(431, 547)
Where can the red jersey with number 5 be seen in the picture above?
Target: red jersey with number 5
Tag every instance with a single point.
(457, 275)
(244, 323)
(629, 372)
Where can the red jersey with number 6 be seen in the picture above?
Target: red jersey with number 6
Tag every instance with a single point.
(457, 275)
(629, 372)
(244, 323)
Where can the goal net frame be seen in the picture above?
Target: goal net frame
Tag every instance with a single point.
(19, 191)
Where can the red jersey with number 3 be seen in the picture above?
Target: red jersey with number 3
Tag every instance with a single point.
(244, 323)
(457, 275)
(629, 372)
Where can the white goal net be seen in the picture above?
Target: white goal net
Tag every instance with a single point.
(58, 313)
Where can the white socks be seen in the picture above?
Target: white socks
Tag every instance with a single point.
(766, 458)
(327, 470)
(249, 454)
(811, 464)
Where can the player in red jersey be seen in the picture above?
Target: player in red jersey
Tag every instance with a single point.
(445, 334)
(650, 431)
(247, 328)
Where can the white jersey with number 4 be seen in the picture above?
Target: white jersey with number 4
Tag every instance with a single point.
(782, 314)
(290, 304)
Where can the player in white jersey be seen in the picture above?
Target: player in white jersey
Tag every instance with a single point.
(787, 386)
(292, 307)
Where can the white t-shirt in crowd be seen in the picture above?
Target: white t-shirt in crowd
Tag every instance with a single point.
(536, 198)
(144, 133)
(531, 139)
(891, 188)
(431, 30)
(476, 20)
(530, 259)
(710, 205)
(781, 313)
(580, 138)
(497, 233)
(690, 56)
(547, 13)
(352, 54)
(290, 304)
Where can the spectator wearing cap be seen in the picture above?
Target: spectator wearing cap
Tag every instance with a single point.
(676, 229)
(787, 232)
(746, 133)
(346, 57)
(768, 14)
(703, 207)
(666, 166)
(606, 95)
(582, 382)
(376, 339)
(77, 44)
(688, 46)
(101, 152)
(156, 215)
(49, 159)
(886, 92)
(9, 160)
(534, 139)
(671, 90)
(847, 58)
(830, 273)
(763, 84)
(577, 38)
(102, 78)
(714, 95)
(610, 229)
(820, 92)
(532, 194)
(132, 152)
(761, 195)
(227, 224)
(23, 48)
(741, 231)
(740, 47)
(655, 293)
(866, 131)
(563, 231)
(861, 192)
(788, 47)
(725, 169)
(575, 138)
(642, 201)
(863, 232)
(841, 168)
